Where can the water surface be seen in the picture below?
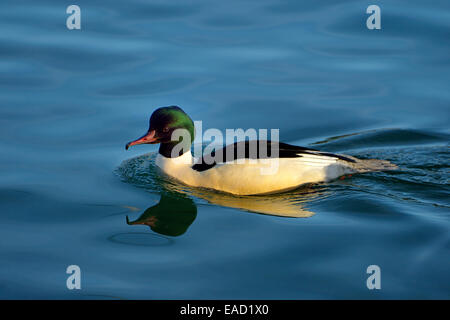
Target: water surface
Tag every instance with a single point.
(70, 100)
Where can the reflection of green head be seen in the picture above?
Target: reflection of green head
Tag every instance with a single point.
(172, 216)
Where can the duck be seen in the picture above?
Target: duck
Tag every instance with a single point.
(234, 169)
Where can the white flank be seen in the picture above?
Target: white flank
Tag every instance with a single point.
(246, 178)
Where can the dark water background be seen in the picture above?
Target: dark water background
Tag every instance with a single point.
(70, 100)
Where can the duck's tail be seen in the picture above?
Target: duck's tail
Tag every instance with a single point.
(367, 165)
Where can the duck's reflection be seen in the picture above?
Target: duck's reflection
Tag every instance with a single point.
(282, 205)
(176, 210)
(172, 216)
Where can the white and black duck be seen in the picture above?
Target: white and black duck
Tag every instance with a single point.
(239, 173)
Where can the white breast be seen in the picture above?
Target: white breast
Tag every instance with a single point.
(249, 177)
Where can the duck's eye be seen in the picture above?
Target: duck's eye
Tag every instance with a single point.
(166, 129)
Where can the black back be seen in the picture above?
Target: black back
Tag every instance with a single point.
(264, 148)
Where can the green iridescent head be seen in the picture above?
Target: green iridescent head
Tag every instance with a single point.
(172, 128)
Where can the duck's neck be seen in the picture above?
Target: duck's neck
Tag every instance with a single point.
(171, 164)
(173, 150)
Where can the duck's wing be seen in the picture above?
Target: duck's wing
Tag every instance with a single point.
(263, 149)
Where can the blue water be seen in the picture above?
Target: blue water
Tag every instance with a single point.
(70, 100)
